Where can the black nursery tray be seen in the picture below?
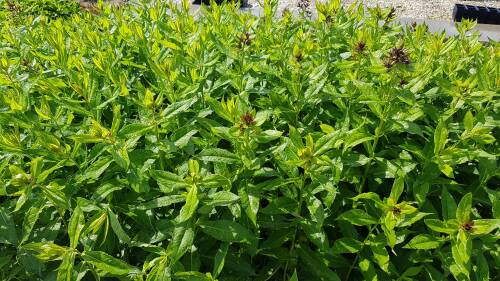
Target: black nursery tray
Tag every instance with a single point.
(483, 15)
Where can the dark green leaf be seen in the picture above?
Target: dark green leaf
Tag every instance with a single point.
(108, 263)
(227, 231)
(218, 155)
(423, 242)
(8, 232)
(357, 217)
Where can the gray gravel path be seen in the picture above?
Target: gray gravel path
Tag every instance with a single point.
(418, 9)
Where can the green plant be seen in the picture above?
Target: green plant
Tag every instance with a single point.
(145, 144)
(49, 8)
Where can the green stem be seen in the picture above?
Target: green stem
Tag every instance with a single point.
(374, 147)
(357, 254)
(292, 246)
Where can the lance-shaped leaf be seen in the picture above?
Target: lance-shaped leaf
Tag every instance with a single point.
(168, 181)
(46, 251)
(218, 155)
(108, 263)
(358, 217)
(30, 219)
(117, 227)
(65, 270)
(464, 208)
(449, 227)
(440, 137)
(424, 242)
(190, 206)
(227, 231)
(397, 189)
(75, 226)
(8, 232)
(449, 207)
(182, 240)
(485, 226)
(220, 258)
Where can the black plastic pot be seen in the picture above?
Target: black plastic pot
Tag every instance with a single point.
(484, 15)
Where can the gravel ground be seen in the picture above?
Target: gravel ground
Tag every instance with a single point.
(418, 9)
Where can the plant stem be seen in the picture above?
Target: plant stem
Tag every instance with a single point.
(374, 147)
(357, 254)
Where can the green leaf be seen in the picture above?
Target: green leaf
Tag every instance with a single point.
(368, 270)
(216, 181)
(117, 119)
(190, 206)
(168, 181)
(412, 271)
(193, 167)
(218, 155)
(420, 192)
(36, 166)
(316, 265)
(316, 210)
(358, 217)
(75, 226)
(176, 108)
(193, 276)
(97, 168)
(134, 130)
(86, 139)
(346, 245)
(448, 227)
(46, 251)
(106, 189)
(8, 232)
(46, 173)
(65, 269)
(449, 207)
(117, 227)
(423, 242)
(446, 169)
(381, 256)
(30, 219)
(464, 208)
(294, 276)
(160, 202)
(433, 274)
(268, 136)
(397, 189)
(182, 240)
(295, 137)
(485, 226)
(250, 204)
(109, 264)
(221, 198)
(326, 143)
(120, 155)
(461, 252)
(468, 121)
(368, 195)
(483, 271)
(219, 259)
(227, 231)
(56, 195)
(440, 137)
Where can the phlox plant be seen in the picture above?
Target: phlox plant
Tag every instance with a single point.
(145, 142)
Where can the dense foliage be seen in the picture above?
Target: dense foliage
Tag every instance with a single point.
(144, 144)
(49, 8)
